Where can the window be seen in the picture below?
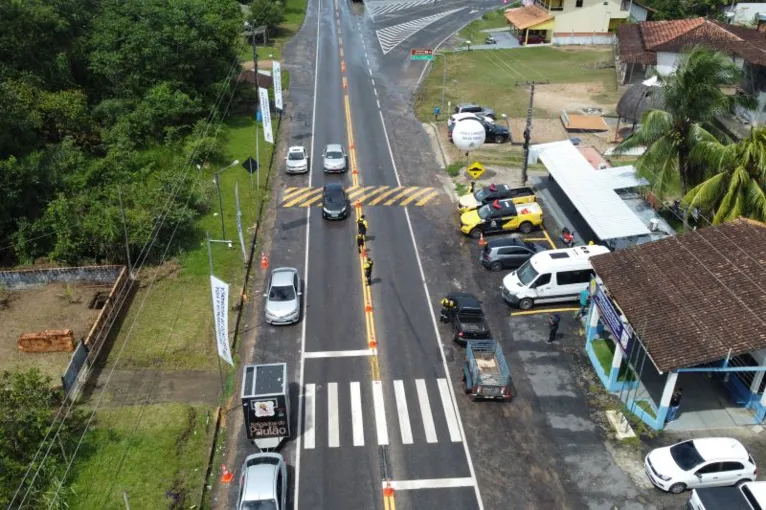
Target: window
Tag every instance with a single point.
(295, 156)
(573, 277)
(527, 273)
(505, 251)
(544, 279)
(518, 251)
(710, 469)
(282, 294)
(732, 466)
(578, 3)
(686, 455)
(334, 155)
(560, 255)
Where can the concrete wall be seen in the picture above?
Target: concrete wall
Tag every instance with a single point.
(585, 39)
(30, 278)
(593, 16)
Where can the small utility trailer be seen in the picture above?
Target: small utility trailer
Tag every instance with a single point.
(266, 404)
(485, 371)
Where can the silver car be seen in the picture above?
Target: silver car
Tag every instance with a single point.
(283, 300)
(335, 159)
(263, 483)
(297, 160)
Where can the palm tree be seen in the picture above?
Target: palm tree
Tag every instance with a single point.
(738, 186)
(693, 98)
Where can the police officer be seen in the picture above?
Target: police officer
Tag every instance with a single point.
(472, 187)
(368, 270)
(361, 225)
(553, 326)
(360, 238)
(447, 306)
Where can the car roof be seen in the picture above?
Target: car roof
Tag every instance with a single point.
(333, 186)
(712, 448)
(283, 276)
(464, 299)
(501, 187)
(505, 241)
(296, 148)
(465, 105)
(577, 258)
(260, 476)
(333, 147)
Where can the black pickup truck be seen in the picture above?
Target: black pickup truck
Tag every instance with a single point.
(467, 318)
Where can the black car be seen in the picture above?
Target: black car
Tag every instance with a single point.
(509, 252)
(335, 203)
(494, 133)
(467, 318)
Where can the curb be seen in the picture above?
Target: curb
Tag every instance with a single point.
(443, 156)
(211, 455)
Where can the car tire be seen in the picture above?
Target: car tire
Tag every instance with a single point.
(499, 139)
(496, 266)
(525, 228)
(476, 233)
(526, 303)
(677, 488)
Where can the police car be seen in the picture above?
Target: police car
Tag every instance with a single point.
(495, 192)
(501, 216)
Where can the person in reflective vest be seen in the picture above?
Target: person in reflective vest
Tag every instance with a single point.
(360, 238)
(448, 306)
(361, 225)
(368, 271)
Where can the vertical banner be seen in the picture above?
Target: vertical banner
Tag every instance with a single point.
(239, 224)
(263, 95)
(221, 317)
(276, 76)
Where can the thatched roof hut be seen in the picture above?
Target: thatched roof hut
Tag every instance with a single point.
(639, 98)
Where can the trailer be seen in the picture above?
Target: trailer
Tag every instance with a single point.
(266, 404)
(485, 372)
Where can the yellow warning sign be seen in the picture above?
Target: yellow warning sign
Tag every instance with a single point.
(475, 170)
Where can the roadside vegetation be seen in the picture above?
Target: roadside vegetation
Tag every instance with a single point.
(494, 19)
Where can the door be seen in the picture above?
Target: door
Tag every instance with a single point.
(732, 472)
(510, 220)
(542, 287)
(494, 222)
(513, 257)
(707, 476)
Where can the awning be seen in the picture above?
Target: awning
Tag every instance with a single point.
(621, 177)
(578, 122)
(527, 17)
(593, 196)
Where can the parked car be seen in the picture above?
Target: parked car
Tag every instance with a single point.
(747, 496)
(494, 192)
(453, 119)
(467, 318)
(297, 160)
(283, 298)
(494, 133)
(501, 216)
(705, 462)
(335, 158)
(510, 252)
(263, 483)
(532, 39)
(474, 108)
(335, 203)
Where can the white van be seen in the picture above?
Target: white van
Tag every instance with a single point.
(551, 277)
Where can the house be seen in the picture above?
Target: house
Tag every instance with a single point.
(656, 46)
(567, 21)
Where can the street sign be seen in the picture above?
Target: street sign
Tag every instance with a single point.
(475, 170)
(424, 54)
(250, 165)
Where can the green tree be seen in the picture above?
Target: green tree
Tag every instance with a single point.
(269, 13)
(27, 406)
(693, 99)
(679, 9)
(737, 186)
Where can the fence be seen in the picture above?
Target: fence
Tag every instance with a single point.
(69, 378)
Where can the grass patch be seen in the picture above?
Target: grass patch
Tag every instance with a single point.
(491, 77)
(174, 327)
(604, 350)
(495, 19)
(453, 169)
(155, 453)
(461, 189)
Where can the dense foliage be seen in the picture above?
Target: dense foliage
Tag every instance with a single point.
(678, 9)
(103, 96)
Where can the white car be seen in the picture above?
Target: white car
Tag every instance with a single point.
(263, 482)
(297, 160)
(696, 463)
(335, 158)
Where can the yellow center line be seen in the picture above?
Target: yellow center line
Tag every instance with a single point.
(374, 192)
(402, 194)
(359, 191)
(303, 196)
(427, 198)
(415, 195)
(386, 194)
(294, 193)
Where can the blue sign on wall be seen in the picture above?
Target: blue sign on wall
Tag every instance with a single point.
(611, 318)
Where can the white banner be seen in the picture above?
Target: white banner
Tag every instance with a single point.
(221, 317)
(239, 223)
(276, 75)
(263, 95)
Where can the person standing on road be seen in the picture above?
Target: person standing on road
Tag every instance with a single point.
(675, 403)
(361, 225)
(553, 325)
(360, 239)
(584, 302)
(368, 270)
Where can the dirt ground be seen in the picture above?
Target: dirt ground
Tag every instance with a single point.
(49, 307)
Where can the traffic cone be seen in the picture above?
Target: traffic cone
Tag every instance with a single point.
(482, 241)
(364, 253)
(388, 492)
(226, 475)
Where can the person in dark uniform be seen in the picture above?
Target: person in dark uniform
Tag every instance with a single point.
(361, 225)
(448, 306)
(360, 239)
(675, 403)
(553, 325)
(472, 187)
(368, 271)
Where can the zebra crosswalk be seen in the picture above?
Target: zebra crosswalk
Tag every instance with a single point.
(382, 7)
(340, 409)
(365, 195)
(391, 37)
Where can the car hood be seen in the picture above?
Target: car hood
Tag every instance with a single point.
(470, 217)
(334, 163)
(335, 207)
(468, 201)
(296, 163)
(281, 308)
(663, 463)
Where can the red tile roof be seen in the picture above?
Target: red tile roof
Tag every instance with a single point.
(693, 298)
(525, 17)
(655, 33)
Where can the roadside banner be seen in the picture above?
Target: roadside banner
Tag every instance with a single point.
(263, 95)
(239, 223)
(276, 78)
(221, 317)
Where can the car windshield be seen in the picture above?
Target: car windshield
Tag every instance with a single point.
(282, 294)
(482, 194)
(264, 504)
(686, 455)
(526, 273)
(334, 155)
(295, 156)
(485, 211)
(335, 198)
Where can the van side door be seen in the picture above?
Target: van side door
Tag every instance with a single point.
(570, 283)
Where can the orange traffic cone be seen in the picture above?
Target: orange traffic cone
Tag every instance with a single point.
(388, 491)
(482, 241)
(226, 475)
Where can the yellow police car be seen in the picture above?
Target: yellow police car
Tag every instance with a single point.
(494, 192)
(501, 216)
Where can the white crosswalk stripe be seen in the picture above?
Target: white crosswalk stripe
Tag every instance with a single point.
(381, 7)
(424, 418)
(391, 37)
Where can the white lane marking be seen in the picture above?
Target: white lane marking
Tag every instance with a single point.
(333, 426)
(449, 411)
(370, 72)
(337, 354)
(391, 37)
(309, 432)
(378, 102)
(373, 81)
(306, 269)
(380, 412)
(404, 415)
(467, 451)
(368, 62)
(436, 48)
(379, 7)
(376, 92)
(357, 425)
(425, 411)
(433, 483)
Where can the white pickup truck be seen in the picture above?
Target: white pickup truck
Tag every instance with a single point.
(748, 496)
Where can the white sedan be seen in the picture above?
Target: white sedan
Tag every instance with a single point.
(706, 462)
(297, 160)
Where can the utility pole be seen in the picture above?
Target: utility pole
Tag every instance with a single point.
(527, 135)
(444, 81)
(257, 135)
(125, 229)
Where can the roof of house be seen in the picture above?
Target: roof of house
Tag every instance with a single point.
(640, 42)
(693, 298)
(525, 17)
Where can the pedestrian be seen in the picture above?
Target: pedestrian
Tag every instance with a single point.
(553, 325)
(448, 306)
(361, 225)
(584, 302)
(472, 187)
(675, 403)
(360, 239)
(368, 271)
